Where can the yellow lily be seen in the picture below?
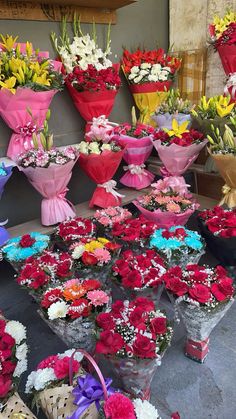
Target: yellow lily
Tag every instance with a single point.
(9, 84)
(29, 49)
(8, 42)
(205, 103)
(42, 79)
(223, 110)
(177, 130)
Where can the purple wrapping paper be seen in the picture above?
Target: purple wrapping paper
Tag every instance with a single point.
(4, 179)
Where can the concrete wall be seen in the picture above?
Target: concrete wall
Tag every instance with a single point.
(144, 23)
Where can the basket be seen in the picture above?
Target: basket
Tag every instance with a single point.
(15, 406)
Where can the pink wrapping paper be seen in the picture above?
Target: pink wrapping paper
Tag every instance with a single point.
(13, 109)
(177, 159)
(51, 183)
(165, 219)
(136, 153)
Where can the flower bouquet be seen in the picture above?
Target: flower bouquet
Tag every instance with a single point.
(91, 78)
(29, 79)
(178, 245)
(14, 351)
(48, 269)
(178, 147)
(134, 337)
(138, 275)
(218, 227)
(223, 151)
(92, 258)
(173, 107)
(205, 295)
(100, 156)
(5, 174)
(107, 217)
(70, 310)
(223, 37)
(72, 230)
(49, 171)
(49, 384)
(166, 209)
(137, 141)
(18, 249)
(149, 75)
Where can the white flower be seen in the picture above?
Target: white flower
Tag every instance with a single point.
(83, 147)
(78, 251)
(106, 147)
(16, 330)
(163, 77)
(30, 382)
(132, 76)
(21, 351)
(40, 379)
(77, 356)
(134, 69)
(144, 66)
(94, 148)
(156, 67)
(145, 410)
(57, 310)
(143, 72)
(21, 367)
(153, 77)
(138, 79)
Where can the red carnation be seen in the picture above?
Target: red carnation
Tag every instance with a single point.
(144, 303)
(8, 367)
(79, 308)
(63, 269)
(89, 259)
(62, 367)
(92, 284)
(26, 241)
(132, 280)
(119, 406)
(7, 342)
(5, 386)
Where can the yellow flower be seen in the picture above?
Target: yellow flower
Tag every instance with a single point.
(221, 24)
(8, 42)
(91, 246)
(102, 240)
(29, 49)
(42, 79)
(9, 84)
(177, 130)
(223, 109)
(205, 103)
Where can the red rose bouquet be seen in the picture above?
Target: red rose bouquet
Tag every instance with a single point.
(204, 295)
(149, 74)
(69, 310)
(139, 275)
(73, 230)
(134, 336)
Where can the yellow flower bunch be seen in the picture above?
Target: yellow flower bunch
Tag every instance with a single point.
(95, 244)
(177, 130)
(216, 106)
(221, 24)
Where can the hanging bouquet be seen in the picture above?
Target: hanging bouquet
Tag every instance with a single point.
(218, 227)
(5, 174)
(173, 107)
(107, 217)
(222, 148)
(178, 147)
(166, 209)
(134, 336)
(223, 36)
(29, 79)
(72, 230)
(136, 138)
(91, 78)
(100, 156)
(178, 245)
(49, 171)
(149, 75)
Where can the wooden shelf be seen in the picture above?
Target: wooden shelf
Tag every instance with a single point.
(98, 4)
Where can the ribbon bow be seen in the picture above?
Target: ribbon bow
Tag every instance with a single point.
(231, 82)
(136, 169)
(87, 392)
(25, 134)
(110, 187)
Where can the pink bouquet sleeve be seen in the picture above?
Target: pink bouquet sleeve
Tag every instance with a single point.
(177, 159)
(13, 109)
(136, 153)
(51, 183)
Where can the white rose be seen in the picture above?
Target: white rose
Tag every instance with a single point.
(16, 330)
(58, 310)
(83, 147)
(94, 148)
(134, 69)
(106, 147)
(144, 66)
(77, 252)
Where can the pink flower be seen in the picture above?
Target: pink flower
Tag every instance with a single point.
(48, 362)
(111, 211)
(104, 221)
(71, 283)
(172, 207)
(174, 183)
(98, 298)
(102, 255)
(119, 406)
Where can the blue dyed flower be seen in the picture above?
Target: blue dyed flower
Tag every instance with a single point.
(14, 252)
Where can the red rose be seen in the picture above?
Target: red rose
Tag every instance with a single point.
(62, 367)
(79, 308)
(144, 303)
(200, 293)
(89, 259)
(143, 347)
(109, 343)
(26, 241)
(5, 386)
(132, 280)
(137, 318)
(223, 290)
(176, 286)
(105, 321)
(159, 325)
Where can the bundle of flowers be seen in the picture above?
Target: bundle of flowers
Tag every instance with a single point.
(49, 171)
(100, 156)
(178, 147)
(173, 107)
(134, 336)
(70, 309)
(73, 230)
(166, 209)
(149, 74)
(5, 174)
(133, 232)
(91, 78)
(48, 269)
(18, 249)
(218, 227)
(29, 79)
(49, 383)
(109, 216)
(119, 406)
(178, 245)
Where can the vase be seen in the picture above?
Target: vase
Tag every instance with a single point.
(199, 323)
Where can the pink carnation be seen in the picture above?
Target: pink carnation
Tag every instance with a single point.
(104, 220)
(111, 211)
(71, 283)
(48, 362)
(172, 207)
(102, 255)
(98, 298)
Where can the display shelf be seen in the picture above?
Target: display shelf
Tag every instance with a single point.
(100, 4)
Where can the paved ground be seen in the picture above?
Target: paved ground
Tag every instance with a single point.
(197, 391)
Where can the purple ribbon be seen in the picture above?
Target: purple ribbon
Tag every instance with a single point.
(87, 392)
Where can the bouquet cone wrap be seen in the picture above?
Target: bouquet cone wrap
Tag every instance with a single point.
(227, 55)
(13, 109)
(16, 408)
(200, 322)
(165, 219)
(101, 168)
(136, 153)
(51, 183)
(152, 293)
(177, 159)
(148, 96)
(165, 120)
(226, 164)
(180, 258)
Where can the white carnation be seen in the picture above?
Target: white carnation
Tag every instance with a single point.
(16, 330)
(21, 367)
(21, 351)
(77, 252)
(57, 310)
(77, 356)
(30, 382)
(43, 378)
(145, 410)
(106, 147)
